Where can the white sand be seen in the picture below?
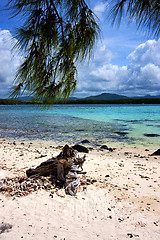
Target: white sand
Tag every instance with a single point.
(124, 202)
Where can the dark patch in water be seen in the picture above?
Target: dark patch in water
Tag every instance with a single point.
(151, 135)
(61, 127)
(79, 130)
(122, 133)
(129, 121)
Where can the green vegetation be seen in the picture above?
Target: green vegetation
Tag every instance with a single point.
(119, 101)
(17, 102)
(144, 12)
(85, 101)
(9, 102)
(57, 35)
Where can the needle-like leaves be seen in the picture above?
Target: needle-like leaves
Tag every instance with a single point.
(56, 35)
(146, 13)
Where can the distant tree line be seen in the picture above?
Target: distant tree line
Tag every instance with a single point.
(85, 101)
(57, 35)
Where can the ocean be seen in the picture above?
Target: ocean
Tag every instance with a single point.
(98, 123)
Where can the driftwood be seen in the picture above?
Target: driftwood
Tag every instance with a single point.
(54, 166)
(64, 167)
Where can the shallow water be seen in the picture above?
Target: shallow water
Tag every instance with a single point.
(100, 124)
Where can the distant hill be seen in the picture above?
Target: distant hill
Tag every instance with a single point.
(106, 96)
(72, 98)
(112, 96)
(147, 96)
(100, 97)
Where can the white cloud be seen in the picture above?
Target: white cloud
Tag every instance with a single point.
(99, 9)
(147, 52)
(103, 54)
(140, 77)
(9, 61)
(152, 73)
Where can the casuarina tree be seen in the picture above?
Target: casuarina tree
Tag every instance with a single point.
(56, 35)
(146, 14)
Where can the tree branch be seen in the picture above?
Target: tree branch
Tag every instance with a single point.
(60, 20)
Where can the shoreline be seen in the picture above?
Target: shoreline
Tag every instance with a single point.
(122, 202)
(91, 144)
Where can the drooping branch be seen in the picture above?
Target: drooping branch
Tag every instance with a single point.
(56, 35)
(60, 20)
(145, 13)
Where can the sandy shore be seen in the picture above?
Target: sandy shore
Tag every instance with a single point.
(122, 202)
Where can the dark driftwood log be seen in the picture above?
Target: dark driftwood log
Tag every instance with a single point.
(58, 166)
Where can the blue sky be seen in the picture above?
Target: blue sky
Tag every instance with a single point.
(125, 61)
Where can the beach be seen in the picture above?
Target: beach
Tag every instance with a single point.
(118, 198)
(79, 120)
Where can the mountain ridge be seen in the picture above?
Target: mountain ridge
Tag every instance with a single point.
(102, 96)
(106, 96)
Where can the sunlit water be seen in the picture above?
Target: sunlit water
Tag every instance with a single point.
(100, 124)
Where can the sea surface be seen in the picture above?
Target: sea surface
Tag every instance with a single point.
(100, 124)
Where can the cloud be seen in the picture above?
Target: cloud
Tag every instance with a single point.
(9, 61)
(140, 77)
(144, 69)
(145, 53)
(99, 9)
(103, 54)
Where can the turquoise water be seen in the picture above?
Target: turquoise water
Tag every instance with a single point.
(100, 124)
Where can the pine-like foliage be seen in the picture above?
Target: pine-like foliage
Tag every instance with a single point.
(146, 13)
(55, 36)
